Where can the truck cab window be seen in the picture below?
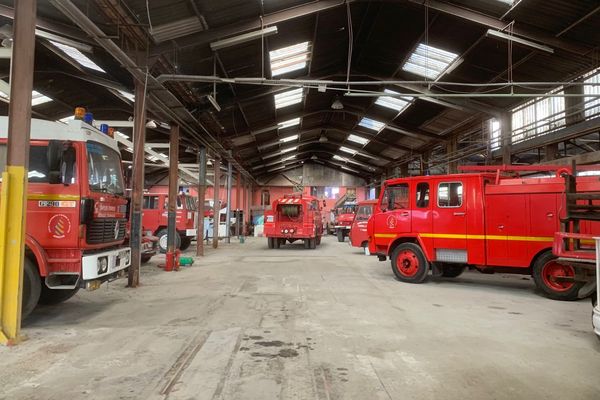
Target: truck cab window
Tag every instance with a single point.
(423, 195)
(450, 194)
(396, 197)
(150, 202)
(363, 214)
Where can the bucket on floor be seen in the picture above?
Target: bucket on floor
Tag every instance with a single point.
(183, 261)
(242, 239)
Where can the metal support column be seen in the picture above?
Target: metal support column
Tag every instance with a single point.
(238, 204)
(13, 203)
(228, 211)
(172, 206)
(506, 138)
(217, 204)
(201, 196)
(137, 190)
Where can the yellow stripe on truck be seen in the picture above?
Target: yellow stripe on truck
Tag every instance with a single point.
(40, 196)
(472, 237)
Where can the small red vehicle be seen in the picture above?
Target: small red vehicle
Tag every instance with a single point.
(359, 237)
(155, 219)
(294, 217)
(494, 222)
(345, 209)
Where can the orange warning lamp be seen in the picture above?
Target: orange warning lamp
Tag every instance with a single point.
(79, 112)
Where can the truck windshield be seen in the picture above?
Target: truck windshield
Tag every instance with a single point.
(104, 169)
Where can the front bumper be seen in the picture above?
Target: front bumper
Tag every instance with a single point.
(100, 265)
(190, 232)
(345, 227)
(596, 320)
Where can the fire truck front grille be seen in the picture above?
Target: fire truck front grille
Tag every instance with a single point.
(105, 230)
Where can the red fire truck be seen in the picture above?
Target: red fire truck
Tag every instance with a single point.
(345, 209)
(359, 236)
(494, 222)
(294, 217)
(76, 211)
(154, 219)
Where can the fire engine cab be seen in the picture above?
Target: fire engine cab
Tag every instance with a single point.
(294, 217)
(155, 215)
(76, 211)
(490, 221)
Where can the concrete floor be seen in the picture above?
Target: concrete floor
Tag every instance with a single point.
(246, 322)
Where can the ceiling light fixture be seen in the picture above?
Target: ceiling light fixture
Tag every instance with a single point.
(502, 35)
(337, 104)
(246, 37)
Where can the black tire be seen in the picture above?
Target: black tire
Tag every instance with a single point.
(413, 266)
(276, 243)
(340, 235)
(162, 240)
(307, 243)
(270, 243)
(313, 243)
(32, 288)
(452, 271)
(186, 241)
(145, 258)
(54, 296)
(318, 239)
(545, 281)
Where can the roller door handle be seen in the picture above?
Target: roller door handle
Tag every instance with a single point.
(459, 214)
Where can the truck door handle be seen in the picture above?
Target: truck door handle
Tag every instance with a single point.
(500, 226)
(459, 214)
(404, 213)
(550, 215)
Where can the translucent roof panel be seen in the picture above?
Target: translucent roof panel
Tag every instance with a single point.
(398, 104)
(37, 98)
(348, 150)
(429, 61)
(371, 124)
(78, 56)
(289, 123)
(357, 139)
(339, 158)
(288, 139)
(288, 98)
(290, 58)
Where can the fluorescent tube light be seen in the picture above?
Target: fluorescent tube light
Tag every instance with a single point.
(502, 35)
(246, 37)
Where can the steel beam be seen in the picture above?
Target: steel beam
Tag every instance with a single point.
(137, 191)
(13, 203)
(173, 185)
(492, 22)
(205, 37)
(228, 210)
(201, 196)
(216, 204)
(238, 203)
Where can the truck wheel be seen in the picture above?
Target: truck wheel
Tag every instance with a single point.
(307, 243)
(55, 296)
(270, 243)
(162, 240)
(452, 271)
(340, 235)
(145, 258)
(312, 243)
(276, 243)
(409, 263)
(318, 239)
(186, 241)
(545, 271)
(32, 288)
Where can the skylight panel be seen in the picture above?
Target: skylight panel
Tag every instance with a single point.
(429, 61)
(288, 158)
(339, 158)
(397, 104)
(288, 98)
(288, 139)
(371, 124)
(127, 95)
(121, 134)
(357, 139)
(288, 150)
(289, 123)
(290, 58)
(78, 56)
(37, 98)
(348, 150)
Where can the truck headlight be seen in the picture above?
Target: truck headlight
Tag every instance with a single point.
(285, 231)
(102, 265)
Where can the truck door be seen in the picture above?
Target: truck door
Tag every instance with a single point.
(395, 217)
(150, 213)
(505, 224)
(450, 223)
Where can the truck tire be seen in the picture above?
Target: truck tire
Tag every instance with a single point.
(270, 243)
(545, 271)
(54, 296)
(318, 239)
(409, 263)
(186, 241)
(162, 240)
(340, 235)
(145, 258)
(452, 271)
(312, 243)
(276, 243)
(32, 288)
(307, 243)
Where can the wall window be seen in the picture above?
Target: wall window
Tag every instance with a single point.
(331, 192)
(423, 195)
(265, 198)
(396, 197)
(538, 117)
(592, 104)
(450, 194)
(495, 134)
